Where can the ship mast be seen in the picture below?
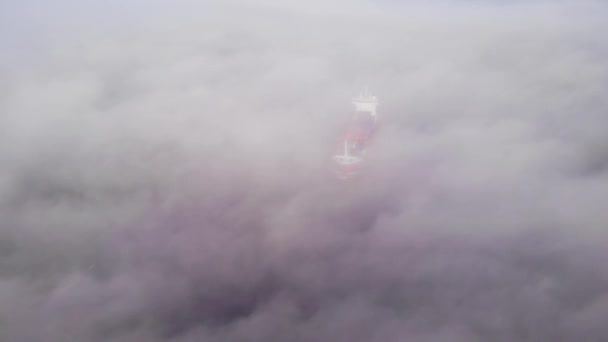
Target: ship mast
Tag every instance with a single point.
(346, 148)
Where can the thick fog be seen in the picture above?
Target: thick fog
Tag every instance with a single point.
(165, 171)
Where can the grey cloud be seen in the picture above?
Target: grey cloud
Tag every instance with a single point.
(165, 172)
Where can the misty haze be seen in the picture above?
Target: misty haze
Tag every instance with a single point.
(166, 171)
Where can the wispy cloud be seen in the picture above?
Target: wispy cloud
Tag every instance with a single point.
(164, 172)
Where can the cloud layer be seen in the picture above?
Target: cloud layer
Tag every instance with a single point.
(165, 172)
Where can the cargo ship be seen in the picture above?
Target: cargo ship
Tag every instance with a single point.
(353, 143)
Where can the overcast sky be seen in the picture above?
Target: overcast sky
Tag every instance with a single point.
(164, 171)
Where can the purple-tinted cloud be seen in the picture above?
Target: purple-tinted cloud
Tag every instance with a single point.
(165, 172)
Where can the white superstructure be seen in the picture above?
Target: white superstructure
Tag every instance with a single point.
(366, 103)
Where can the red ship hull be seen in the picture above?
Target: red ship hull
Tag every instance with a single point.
(352, 146)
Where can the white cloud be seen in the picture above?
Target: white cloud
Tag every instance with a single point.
(164, 171)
